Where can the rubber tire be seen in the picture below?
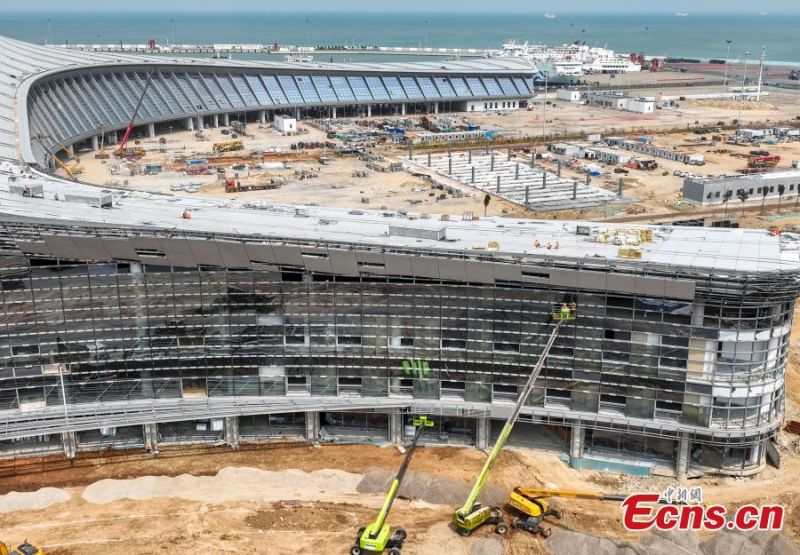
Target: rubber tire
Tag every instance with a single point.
(501, 528)
(516, 523)
(400, 534)
(559, 514)
(464, 533)
(546, 532)
(394, 551)
(355, 550)
(360, 531)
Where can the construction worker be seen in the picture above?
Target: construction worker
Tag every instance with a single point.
(564, 314)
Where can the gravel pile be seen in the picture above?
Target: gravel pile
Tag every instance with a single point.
(32, 500)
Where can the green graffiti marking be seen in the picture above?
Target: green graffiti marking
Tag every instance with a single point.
(416, 368)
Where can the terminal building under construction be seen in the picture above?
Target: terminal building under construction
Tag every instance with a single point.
(129, 327)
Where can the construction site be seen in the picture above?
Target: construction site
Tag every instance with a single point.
(271, 309)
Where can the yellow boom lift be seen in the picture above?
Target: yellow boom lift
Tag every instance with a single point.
(472, 515)
(533, 505)
(378, 536)
(23, 549)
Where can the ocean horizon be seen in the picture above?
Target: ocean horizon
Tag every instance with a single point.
(693, 36)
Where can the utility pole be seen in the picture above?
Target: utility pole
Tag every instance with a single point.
(727, 58)
(760, 74)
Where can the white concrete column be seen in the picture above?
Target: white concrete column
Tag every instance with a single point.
(395, 428)
(95, 143)
(369, 110)
(226, 119)
(576, 438)
(333, 112)
(232, 431)
(403, 109)
(190, 124)
(114, 138)
(262, 116)
(435, 107)
(297, 114)
(70, 444)
(482, 433)
(151, 130)
(151, 437)
(312, 426)
(682, 459)
(215, 121)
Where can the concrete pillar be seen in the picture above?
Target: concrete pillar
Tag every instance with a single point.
(544, 180)
(682, 460)
(491, 164)
(262, 116)
(215, 121)
(226, 120)
(190, 124)
(516, 171)
(232, 431)
(95, 143)
(574, 190)
(395, 428)
(482, 433)
(403, 109)
(558, 162)
(435, 107)
(473, 175)
(527, 195)
(619, 187)
(70, 444)
(576, 439)
(369, 110)
(509, 153)
(429, 159)
(151, 130)
(449, 166)
(410, 151)
(297, 114)
(469, 155)
(333, 112)
(114, 138)
(498, 184)
(151, 437)
(533, 159)
(312, 426)
(449, 149)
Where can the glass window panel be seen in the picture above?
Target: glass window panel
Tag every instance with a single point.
(428, 88)
(342, 89)
(508, 86)
(216, 92)
(411, 87)
(307, 88)
(445, 89)
(522, 85)
(460, 86)
(274, 89)
(394, 87)
(324, 88)
(377, 89)
(492, 87)
(290, 88)
(476, 86)
(244, 90)
(258, 88)
(360, 88)
(230, 91)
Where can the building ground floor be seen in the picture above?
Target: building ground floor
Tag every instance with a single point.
(576, 443)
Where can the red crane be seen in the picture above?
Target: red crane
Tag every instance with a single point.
(127, 135)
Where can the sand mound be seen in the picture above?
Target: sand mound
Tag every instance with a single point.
(431, 489)
(32, 500)
(230, 484)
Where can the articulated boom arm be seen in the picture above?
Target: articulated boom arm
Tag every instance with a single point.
(466, 508)
(135, 113)
(532, 493)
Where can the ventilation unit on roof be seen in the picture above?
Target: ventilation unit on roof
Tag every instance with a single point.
(430, 233)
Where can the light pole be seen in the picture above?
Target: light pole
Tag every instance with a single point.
(172, 22)
(744, 84)
(544, 110)
(727, 58)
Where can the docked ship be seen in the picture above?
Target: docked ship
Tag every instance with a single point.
(568, 61)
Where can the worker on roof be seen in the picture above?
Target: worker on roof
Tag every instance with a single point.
(564, 314)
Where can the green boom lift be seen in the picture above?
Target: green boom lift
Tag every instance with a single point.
(472, 515)
(378, 536)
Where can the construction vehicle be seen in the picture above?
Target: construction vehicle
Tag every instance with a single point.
(533, 506)
(228, 146)
(378, 536)
(121, 151)
(23, 549)
(233, 186)
(472, 515)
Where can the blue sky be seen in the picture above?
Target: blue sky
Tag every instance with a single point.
(560, 6)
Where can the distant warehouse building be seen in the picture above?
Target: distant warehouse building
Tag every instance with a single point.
(709, 190)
